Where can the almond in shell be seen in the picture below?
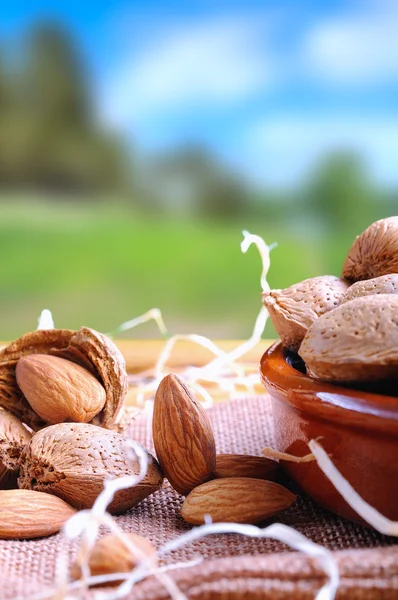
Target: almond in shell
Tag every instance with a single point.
(294, 309)
(385, 284)
(357, 342)
(72, 461)
(86, 347)
(374, 252)
(14, 436)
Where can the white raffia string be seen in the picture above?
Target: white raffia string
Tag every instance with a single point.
(364, 510)
(223, 370)
(45, 321)
(152, 314)
(264, 250)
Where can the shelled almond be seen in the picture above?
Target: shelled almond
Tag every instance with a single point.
(243, 465)
(183, 437)
(27, 514)
(236, 500)
(113, 555)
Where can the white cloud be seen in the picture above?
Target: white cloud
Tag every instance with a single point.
(355, 48)
(284, 149)
(212, 62)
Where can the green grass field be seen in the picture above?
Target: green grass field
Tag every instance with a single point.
(99, 265)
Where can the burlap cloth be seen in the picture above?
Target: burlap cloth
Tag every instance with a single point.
(233, 566)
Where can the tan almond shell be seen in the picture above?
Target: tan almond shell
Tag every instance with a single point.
(374, 252)
(13, 438)
(25, 514)
(182, 435)
(86, 347)
(294, 309)
(386, 284)
(72, 461)
(357, 342)
(236, 500)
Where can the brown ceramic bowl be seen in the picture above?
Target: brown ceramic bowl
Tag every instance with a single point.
(359, 429)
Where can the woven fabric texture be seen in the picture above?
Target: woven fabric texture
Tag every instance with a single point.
(232, 565)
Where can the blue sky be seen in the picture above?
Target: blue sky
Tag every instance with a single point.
(268, 86)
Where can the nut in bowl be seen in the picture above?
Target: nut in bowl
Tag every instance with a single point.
(340, 382)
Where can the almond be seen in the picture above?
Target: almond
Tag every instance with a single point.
(111, 555)
(358, 341)
(26, 514)
(294, 309)
(59, 390)
(72, 461)
(182, 435)
(386, 284)
(236, 500)
(242, 465)
(374, 252)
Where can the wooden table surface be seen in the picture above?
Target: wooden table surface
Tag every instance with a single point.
(142, 354)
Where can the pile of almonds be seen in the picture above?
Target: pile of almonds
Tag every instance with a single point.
(346, 329)
(61, 399)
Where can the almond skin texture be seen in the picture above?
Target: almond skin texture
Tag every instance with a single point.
(357, 342)
(294, 309)
(386, 284)
(236, 500)
(59, 390)
(25, 514)
(110, 555)
(242, 465)
(182, 435)
(374, 252)
(72, 461)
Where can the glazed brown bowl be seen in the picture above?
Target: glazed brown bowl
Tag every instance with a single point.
(359, 429)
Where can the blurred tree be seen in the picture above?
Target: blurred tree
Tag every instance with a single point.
(193, 178)
(51, 138)
(55, 80)
(340, 193)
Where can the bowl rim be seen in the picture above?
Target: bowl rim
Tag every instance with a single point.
(323, 400)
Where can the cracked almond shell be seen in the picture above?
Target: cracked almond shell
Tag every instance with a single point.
(13, 438)
(294, 309)
(86, 347)
(386, 284)
(72, 461)
(374, 252)
(356, 342)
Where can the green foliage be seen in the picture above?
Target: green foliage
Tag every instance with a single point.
(340, 194)
(102, 267)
